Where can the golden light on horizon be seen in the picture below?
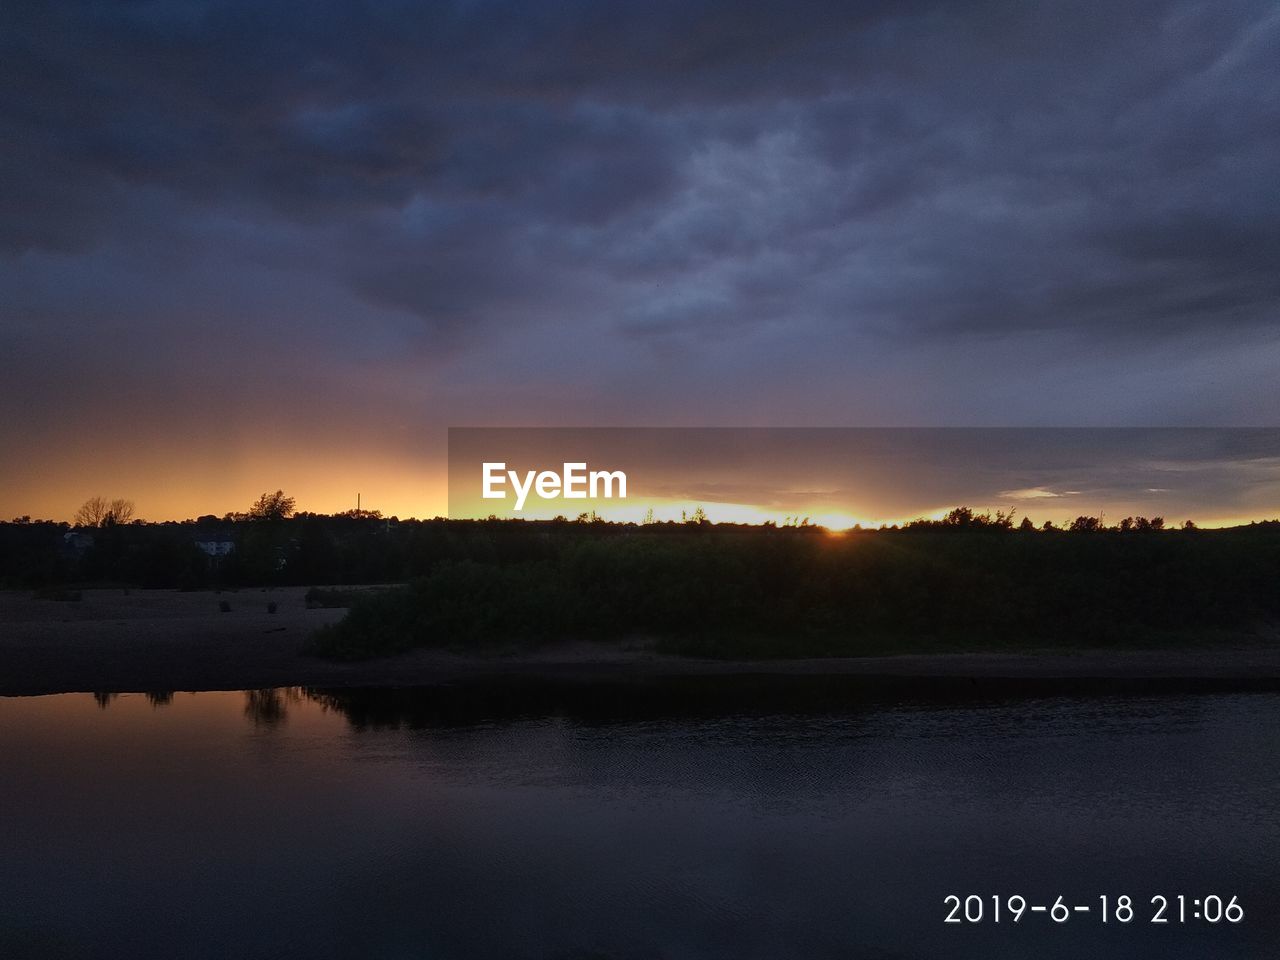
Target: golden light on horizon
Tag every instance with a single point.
(184, 481)
(395, 488)
(197, 474)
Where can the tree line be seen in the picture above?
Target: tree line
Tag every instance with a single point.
(723, 591)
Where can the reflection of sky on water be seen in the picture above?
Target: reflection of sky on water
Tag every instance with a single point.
(267, 822)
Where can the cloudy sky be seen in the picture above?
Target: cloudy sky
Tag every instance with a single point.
(248, 245)
(839, 477)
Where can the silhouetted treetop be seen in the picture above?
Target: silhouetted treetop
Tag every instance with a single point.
(101, 512)
(272, 506)
(965, 518)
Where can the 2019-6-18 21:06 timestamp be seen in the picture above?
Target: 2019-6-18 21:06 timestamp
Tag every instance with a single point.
(1016, 908)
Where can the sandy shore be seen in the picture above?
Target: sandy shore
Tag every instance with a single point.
(165, 640)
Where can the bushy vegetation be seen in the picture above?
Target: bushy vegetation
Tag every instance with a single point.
(733, 591)
(962, 581)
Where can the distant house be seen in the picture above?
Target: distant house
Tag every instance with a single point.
(75, 543)
(215, 545)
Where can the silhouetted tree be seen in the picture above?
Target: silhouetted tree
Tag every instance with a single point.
(91, 512)
(120, 510)
(1140, 524)
(1085, 525)
(272, 506)
(101, 512)
(964, 518)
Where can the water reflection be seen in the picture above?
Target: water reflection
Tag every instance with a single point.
(751, 821)
(693, 698)
(677, 699)
(270, 707)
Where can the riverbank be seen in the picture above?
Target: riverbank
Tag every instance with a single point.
(149, 640)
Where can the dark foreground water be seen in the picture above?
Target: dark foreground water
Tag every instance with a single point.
(404, 825)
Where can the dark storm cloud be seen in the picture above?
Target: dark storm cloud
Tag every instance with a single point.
(856, 177)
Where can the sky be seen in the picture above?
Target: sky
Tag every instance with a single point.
(246, 246)
(869, 477)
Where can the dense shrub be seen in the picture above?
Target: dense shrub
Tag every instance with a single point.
(783, 592)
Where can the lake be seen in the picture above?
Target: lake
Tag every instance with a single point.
(602, 823)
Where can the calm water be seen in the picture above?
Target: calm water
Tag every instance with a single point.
(281, 824)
